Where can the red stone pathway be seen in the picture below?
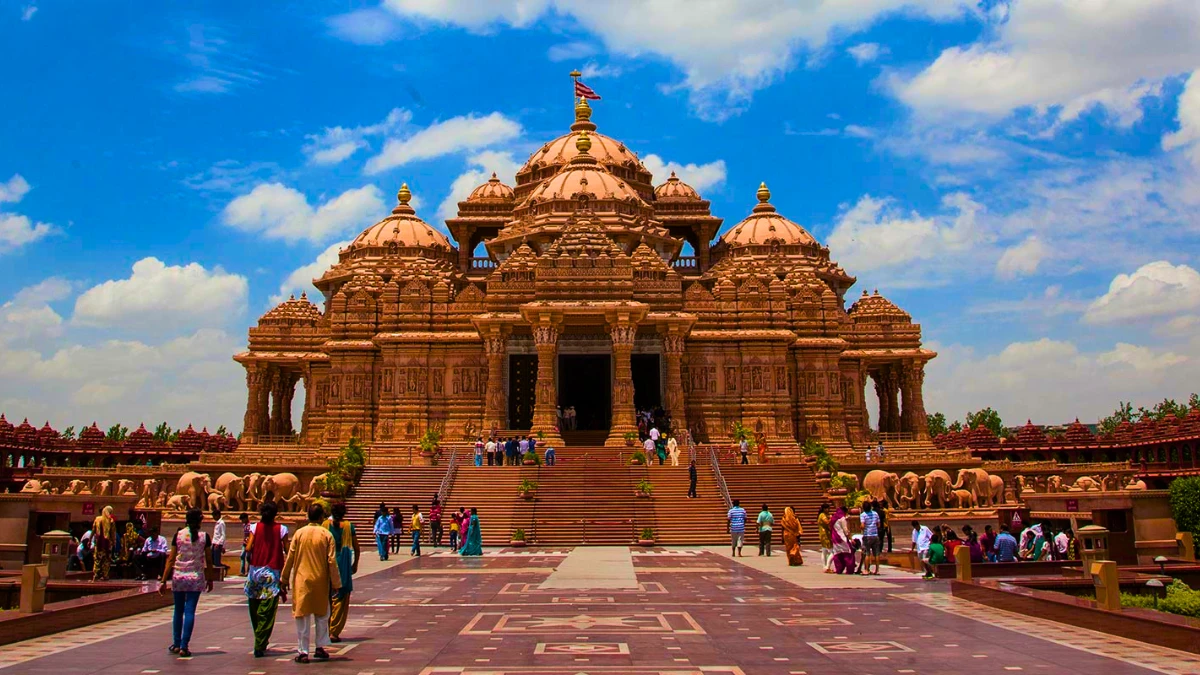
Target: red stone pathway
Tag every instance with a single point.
(693, 613)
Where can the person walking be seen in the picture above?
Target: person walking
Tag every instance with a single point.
(479, 451)
(551, 456)
(490, 449)
(825, 537)
(455, 528)
(435, 522)
(417, 524)
(218, 538)
(311, 571)
(268, 542)
(189, 568)
(104, 533)
(473, 540)
(673, 450)
(871, 543)
(692, 479)
(397, 529)
(744, 448)
(383, 530)
(791, 537)
(244, 519)
(735, 523)
(766, 523)
(347, 554)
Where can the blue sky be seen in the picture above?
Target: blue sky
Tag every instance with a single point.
(1023, 177)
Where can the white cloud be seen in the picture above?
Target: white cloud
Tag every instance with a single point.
(569, 51)
(1022, 259)
(28, 319)
(300, 280)
(876, 235)
(17, 230)
(867, 52)
(702, 177)
(726, 50)
(336, 144)
(14, 190)
(280, 212)
(1050, 303)
(592, 70)
(482, 165)
(1026, 380)
(215, 66)
(158, 296)
(369, 26)
(457, 134)
(856, 131)
(1156, 289)
(1188, 117)
(1069, 56)
(28, 11)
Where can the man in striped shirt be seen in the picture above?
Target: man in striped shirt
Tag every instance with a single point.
(736, 523)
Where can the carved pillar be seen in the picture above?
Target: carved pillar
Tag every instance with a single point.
(893, 385)
(289, 395)
(673, 346)
(545, 405)
(495, 404)
(623, 334)
(275, 425)
(881, 392)
(914, 399)
(307, 379)
(255, 386)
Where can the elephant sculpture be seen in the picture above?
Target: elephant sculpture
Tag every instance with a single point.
(216, 500)
(997, 483)
(317, 485)
(233, 488)
(35, 486)
(978, 482)
(151, 489)
(908, 491)
(194, 486)
(126, 487)
(280, 487)
(962, 499)
(1085, 484)
(78, 487)
(254, 491)
(161, 500)
(1054, 484)
(1022, 486)
(882, 486)
(937, 489)
(1135, 484)
(104, 488)
(178, 503)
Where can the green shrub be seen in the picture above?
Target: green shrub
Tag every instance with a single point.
(638, 457)
(346, 468)
(532, 456)
(1180, 599)
(645, 486)
(843, 480)
(825, 461)
(1185, 506)
(647, 534)
(741, 433)
(527, 485)
(518, 535)
(429, 441)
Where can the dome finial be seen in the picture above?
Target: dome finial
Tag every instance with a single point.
(583, 111)
(493, 178)
(404, 195)
(764, 195)
(584, 143)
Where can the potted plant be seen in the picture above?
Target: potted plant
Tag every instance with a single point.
(527, 488)
(638, 457)
(630, 437)
(531, 458)
(429, 445)
(518, 538)
(344, 470)
(646, 538)
(840, 484)
(644, 488)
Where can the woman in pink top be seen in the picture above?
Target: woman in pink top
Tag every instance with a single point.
(189, 568)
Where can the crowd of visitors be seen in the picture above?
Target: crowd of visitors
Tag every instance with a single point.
(1037, 543)
(430, 527)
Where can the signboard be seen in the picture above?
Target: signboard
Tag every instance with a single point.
(89, 508)
(1073, 505)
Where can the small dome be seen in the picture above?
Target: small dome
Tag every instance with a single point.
(675, 189)
(292, 312)
(878, 309)
(403, 228)
(493, 190)
(765, 225)
(563, 149)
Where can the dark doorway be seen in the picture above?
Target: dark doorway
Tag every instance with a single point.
(647, 387)
(585, 381)
(522, 382)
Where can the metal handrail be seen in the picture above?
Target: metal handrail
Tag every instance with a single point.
(448, 479)
(715, 462)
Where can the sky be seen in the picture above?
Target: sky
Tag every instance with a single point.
(1021, 176)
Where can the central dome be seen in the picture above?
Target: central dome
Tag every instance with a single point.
(765, 225)
(403, 228)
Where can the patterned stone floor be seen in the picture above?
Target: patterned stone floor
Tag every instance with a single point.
(692, 612)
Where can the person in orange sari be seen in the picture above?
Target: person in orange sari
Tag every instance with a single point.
(791, 537)
(761, 442)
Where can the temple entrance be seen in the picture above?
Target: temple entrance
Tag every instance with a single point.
(585, 381)
(522, 385)
(647, 387)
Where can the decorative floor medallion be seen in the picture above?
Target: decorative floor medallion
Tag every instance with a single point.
(872, 647)
(812, 621)
(582, 648)
(492, 623)
(770, 600)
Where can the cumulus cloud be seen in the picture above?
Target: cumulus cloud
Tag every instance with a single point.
(368, 26)
(481, 166)
(28, 319)
(866, 52)
(1188, 117)
(1067, 56)
(568, 51)
(14, 189)
(336, 144)
(1050, 302)
(300, 280)
(702, 177)
(279, 212)
(1022, 259)
(17, 230)
(1157, 289)
(457, 134)
(157, 295)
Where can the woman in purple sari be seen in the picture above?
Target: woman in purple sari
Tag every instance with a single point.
(843, 554)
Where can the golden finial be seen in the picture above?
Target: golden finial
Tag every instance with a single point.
(404, 195)
(576, 73)
(493, 178)
(583, 143)
(764, 195)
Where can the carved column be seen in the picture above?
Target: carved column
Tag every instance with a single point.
(893, 385)
(255, 386)
(289, 395)
(275, 425)
(623, 334)
(673, 346)
(307, 379)
(545, 405)
(881, 392)
(914, 399)
(495, 404)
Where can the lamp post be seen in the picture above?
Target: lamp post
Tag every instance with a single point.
(1161, 561)
(1156, 588)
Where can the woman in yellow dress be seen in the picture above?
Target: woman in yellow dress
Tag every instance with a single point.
(104, 532)
(824, 524)
(791, 537)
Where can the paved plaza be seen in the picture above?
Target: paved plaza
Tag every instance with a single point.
(613, 610)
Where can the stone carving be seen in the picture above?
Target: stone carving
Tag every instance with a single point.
(233, 488)
(978, 483)
(937, 489)
(36, 486)
(962, 499)
(194, 487)
(882, 485)
(908, 491)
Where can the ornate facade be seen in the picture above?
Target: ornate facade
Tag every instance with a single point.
(586, 299)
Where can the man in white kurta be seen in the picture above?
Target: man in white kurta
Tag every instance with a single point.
(312, 574)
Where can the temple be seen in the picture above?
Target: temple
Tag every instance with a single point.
(593, 275)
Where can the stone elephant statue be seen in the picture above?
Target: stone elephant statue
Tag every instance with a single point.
(194, 486)
(881, 485)
(126, 487)
(937, 489)
(280, 487)
(104, 488)
(233, 488)
(908, 491)
(216, 500)
(317, 485)
(151, 489)
(254, 491)
(1054, 484)
(161, 500)
(997, 484)
(36, 487)
(978, 482)
(962, 499)
(1086, 484)
(178, 503)
(78, 487)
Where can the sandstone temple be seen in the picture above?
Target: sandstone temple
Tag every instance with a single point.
(585, 286)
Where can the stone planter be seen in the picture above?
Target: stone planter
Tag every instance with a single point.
(837, 492)
(529, 462)
(429, 458)
(645, 542)
(517, 543)
(526, 495)
(642, 495)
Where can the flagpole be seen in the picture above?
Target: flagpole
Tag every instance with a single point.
(575, 75)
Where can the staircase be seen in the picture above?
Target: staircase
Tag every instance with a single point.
(398, 487)
(778, 486)
(585, 438)
(679, 520)
(492, 490)
(589, 501)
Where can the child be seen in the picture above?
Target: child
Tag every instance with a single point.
(454, 532)
(934, 555)
(417, 524)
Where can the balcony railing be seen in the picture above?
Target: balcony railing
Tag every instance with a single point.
(686, 262)
(482, 264)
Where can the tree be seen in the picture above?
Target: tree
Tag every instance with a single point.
(988, 418)
(1194, 402)
(162, 433)
(955, 426)
(117, 433)
(1185, 504)
(68, 434)
(936, 424)
(221, 430)
(1123, 413)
